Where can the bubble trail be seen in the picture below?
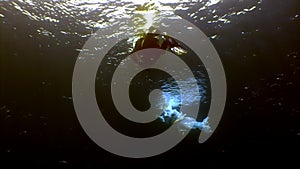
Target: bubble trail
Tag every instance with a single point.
(171, 105)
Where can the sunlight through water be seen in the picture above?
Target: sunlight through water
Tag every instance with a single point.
(80, 18)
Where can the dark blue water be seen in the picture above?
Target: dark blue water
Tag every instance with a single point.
(258, 42)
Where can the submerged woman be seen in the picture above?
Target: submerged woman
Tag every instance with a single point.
(154, 39)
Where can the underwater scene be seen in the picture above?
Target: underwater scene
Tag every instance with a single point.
(43, 41)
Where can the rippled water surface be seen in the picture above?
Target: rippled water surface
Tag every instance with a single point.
(66, 17)
(257, 40)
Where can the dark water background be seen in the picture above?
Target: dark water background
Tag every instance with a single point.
(259, 49)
